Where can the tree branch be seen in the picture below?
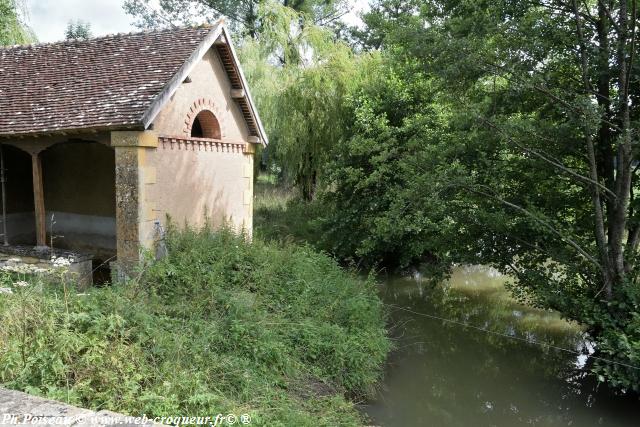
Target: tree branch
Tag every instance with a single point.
(565, 11)
(608, 12)
(546, 224)
(623, 174)
(577, 111)
(601, 238)
(554, 162)
(633, 43)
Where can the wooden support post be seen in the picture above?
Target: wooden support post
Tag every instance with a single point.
(38, 198)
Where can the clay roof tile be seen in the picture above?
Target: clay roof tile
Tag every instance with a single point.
(105, 82)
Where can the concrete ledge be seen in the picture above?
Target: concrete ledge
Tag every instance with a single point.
(17, 408)
(47, 263)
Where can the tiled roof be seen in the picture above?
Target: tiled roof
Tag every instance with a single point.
(103, 83)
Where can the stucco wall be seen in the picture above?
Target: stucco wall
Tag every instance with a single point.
(203, 182)
(209, 81)
(194, 181)
(21, 228)
(79, 177)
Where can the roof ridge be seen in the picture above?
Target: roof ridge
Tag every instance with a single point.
(205, 26)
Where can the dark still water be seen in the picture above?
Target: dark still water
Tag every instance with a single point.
(444, 374)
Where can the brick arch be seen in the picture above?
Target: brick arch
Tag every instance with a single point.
(207, 114)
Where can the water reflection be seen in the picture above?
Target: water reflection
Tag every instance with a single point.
(444, 374)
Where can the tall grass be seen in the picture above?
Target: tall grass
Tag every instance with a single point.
(219, 326)
(280, 216)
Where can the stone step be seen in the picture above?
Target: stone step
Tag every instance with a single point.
(17, 408)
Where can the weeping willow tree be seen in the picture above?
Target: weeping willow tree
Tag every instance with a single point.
(312, 117)
(13, 29)
(301, 75)
(243, 16)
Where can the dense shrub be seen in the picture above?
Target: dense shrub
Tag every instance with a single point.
(219, 326)
(384, 202)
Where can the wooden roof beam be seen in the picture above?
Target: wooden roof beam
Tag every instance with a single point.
(237, 93)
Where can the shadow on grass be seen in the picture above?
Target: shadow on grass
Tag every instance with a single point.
(280, 216)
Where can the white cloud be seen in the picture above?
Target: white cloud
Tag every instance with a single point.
(49, 18)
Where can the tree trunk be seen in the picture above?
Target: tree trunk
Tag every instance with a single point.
(623, 164)
(605, 151)
(600, 233)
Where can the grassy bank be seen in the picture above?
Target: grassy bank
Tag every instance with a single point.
(219, 326)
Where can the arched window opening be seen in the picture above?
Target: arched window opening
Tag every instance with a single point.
(196, 129)
(205, 125)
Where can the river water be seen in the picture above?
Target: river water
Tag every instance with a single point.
(446, 374)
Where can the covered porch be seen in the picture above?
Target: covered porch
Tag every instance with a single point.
(58, 200)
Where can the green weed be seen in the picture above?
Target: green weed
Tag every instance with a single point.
(219, 326)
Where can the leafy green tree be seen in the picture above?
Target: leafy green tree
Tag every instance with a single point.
(13, 29)
(538, 176)
(381, 190)
(378, 22)
(243, 15)
(310, 117)
(300, 81)
(78, 30)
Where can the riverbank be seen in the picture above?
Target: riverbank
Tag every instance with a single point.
(219, 326)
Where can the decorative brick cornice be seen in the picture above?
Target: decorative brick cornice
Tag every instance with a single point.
(203, 144)
(197, 107)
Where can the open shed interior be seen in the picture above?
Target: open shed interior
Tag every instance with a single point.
(78, 181)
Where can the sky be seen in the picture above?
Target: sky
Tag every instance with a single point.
(49, 18)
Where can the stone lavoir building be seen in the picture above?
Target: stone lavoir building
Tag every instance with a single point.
(101, 140)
